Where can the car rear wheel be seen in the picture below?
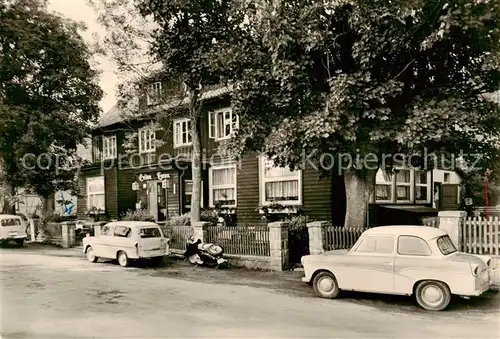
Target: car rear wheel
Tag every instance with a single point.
(122, 259)
(433, 295)
(91, 255)
(325, 285)
(20, 242)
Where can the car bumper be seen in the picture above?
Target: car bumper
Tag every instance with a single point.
(152, 254)
(14, 237)
(306, 279)
(481, 290)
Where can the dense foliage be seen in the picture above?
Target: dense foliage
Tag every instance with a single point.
(48, 97)
(369, 77)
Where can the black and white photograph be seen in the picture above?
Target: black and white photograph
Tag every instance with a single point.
(249, 169)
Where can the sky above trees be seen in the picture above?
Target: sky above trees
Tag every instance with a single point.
(80, 10)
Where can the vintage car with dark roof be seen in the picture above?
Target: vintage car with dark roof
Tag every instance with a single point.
(402, 260)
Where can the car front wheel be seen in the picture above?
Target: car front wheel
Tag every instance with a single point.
(91, 255)
(433, 295)
(325, 285)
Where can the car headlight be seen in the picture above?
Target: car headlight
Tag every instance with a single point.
(302, 261)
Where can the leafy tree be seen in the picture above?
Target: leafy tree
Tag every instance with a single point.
(368, 78)
(48, 97)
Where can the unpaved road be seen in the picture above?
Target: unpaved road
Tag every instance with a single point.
(50, 296)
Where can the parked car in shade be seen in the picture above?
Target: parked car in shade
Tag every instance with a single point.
(126, 241)
(402, 260)
(12, 228)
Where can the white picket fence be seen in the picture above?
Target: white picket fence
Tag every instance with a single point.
(480, 236)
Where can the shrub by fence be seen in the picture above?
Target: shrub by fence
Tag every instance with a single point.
(50, 233)
(338, 237)
(480, 236)
(253, 240)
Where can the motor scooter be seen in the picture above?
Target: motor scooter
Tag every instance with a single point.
(209, 254)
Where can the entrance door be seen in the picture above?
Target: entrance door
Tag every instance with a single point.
(153, 198)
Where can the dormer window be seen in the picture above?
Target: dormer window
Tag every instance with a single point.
(153, 94)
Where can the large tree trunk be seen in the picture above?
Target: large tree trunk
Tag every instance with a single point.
(196, 157)
(48, 205)
(360, 189)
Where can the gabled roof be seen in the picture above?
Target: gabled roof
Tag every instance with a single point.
(111, 117)
(114, 115)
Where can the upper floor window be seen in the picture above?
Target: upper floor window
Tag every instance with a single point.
(223, 123)
(147, 140)
(279, 184)
(182, 132)
(153, 93)
(446, 178)
(222, 184)
(109, 147)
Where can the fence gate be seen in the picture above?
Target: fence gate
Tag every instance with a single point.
(480, 236)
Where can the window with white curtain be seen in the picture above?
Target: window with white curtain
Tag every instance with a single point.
(222, 183)
(109, 147)
(147, 140)
(383, 187)
(223, 123)
(422, 186)
(96, 200)
(182, 132)
(279, 184)
(403, 185)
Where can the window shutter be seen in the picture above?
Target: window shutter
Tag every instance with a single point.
(211, 125)
(97, 148)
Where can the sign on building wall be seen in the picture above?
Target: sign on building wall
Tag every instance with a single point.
(29, 204)
(65, 203)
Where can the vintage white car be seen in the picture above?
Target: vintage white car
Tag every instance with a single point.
(404, 260)
(12, 228)
(125, 241)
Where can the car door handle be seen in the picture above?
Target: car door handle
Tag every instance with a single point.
(388, 263)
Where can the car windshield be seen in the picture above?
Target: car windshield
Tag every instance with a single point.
(445, 245)
(149, 233)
